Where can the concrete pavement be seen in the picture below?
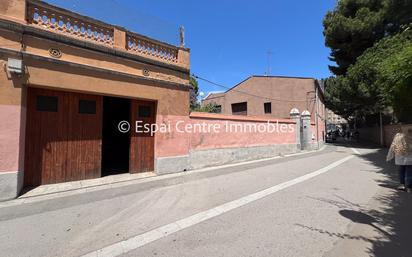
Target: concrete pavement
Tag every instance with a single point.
(309, 218)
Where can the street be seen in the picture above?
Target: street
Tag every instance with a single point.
(338, 201)
(205, 129)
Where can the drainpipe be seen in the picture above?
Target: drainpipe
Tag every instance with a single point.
(324, 119)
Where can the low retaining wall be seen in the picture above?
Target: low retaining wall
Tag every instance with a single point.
(373, 134)
(236, 139)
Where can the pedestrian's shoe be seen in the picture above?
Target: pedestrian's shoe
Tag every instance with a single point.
(401, 187)
(409, 190)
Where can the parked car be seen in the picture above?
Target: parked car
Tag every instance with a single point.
(330, 136)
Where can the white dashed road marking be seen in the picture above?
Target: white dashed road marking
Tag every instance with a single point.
(133, 243)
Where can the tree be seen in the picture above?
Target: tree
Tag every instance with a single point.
(351, 28)
(193, 93)
(355, 25)
(210, 108)
(339, 95)
(369, 41)
(380, 78)
(395, 77)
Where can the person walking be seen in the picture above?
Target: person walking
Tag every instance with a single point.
(401, 150)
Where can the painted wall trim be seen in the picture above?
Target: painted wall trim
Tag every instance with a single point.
(202, 115)
(162, 83)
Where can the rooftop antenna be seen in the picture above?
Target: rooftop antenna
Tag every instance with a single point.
(269, 71)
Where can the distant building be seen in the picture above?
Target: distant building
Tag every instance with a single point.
(333, 118)
(272, 96)
(217, 98)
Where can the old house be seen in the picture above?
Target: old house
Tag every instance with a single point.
(66, 82)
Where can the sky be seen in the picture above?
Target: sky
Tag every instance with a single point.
(229, 40)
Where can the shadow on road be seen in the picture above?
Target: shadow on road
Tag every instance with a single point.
(396, 213)
(363, 218)
(395, 209)
(390, 214)
(335, 234)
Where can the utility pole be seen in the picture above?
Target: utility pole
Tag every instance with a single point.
(269, 70)
(317, 114)
(381, 128)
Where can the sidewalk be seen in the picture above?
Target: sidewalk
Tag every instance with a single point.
(383, 229)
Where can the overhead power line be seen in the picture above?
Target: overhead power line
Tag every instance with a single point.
(246, 93)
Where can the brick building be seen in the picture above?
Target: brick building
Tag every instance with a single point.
(274, 97)
(333, 118)
(271, 96)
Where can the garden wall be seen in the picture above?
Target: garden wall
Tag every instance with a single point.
(227, 139)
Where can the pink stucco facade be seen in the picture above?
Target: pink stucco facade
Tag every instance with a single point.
(222, 131)
(12, 127)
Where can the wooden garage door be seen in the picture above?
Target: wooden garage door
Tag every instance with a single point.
(141, 144)
(63, 137)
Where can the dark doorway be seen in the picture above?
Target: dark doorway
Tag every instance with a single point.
(115, 144)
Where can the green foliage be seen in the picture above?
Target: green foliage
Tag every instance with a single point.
(339, 96)
(355, 25)
(381, 78)
(396, 81)
(193, 93)
(350, 29)
(371, 43)
(210, 108)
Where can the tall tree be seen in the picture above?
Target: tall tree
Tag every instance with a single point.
(395, 76)
(355, 25)
(369, 41)
(380, 78)
(193, 93)
(351, 28)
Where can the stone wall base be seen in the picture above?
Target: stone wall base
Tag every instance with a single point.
(215, 157)
(11, 184)
(166, 165)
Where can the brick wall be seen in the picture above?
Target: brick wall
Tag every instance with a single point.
(372, 134)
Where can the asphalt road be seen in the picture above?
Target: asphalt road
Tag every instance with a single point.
(317, 204)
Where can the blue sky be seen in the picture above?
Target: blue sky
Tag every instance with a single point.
(229, 40)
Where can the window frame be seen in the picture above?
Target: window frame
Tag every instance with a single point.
(267, 107)
(87, 111)
(42, 107)
(236, 105)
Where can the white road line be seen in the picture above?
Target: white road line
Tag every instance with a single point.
(133, 243)
(356, 151)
